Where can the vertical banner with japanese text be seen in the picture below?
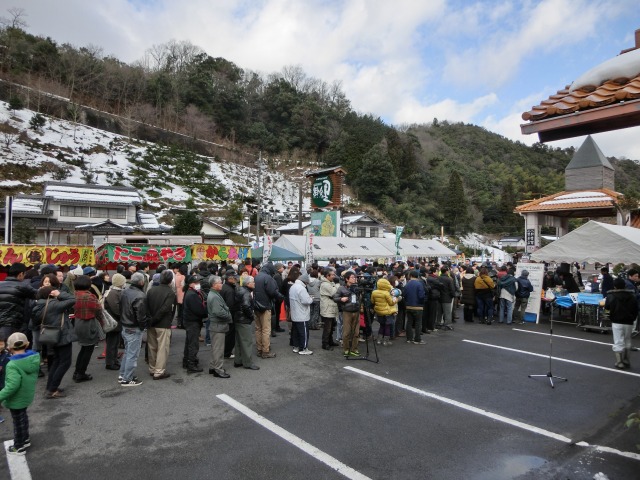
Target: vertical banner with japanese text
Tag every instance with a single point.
(308, 250)
(267, 246)
(398, 235)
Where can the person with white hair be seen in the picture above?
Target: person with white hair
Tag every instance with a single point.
(219, 317)
(299, 303)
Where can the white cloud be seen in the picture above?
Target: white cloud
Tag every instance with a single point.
(543, 26)
(406, 61)
(618, 143)
(413, 111)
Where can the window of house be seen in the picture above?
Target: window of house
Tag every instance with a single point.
(104, 212)
(362, 231)
(73, 211)
(374, 231)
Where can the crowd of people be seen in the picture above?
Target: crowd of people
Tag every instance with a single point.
(241, 306)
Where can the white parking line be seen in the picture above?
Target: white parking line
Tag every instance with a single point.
(563, 336)
(464, 406)
(18, 467)
(494, 416)
(599, 367)
(325, 458)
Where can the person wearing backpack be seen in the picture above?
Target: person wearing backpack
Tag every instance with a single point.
(523, 292)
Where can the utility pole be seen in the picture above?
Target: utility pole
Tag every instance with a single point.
(300, 208)
(259, 197)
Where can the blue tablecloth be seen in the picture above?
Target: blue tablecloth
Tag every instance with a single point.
(586, 298)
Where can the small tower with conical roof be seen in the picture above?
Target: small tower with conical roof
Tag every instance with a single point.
(589, 169)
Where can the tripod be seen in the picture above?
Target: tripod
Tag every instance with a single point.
(549, 375)
(367, 327)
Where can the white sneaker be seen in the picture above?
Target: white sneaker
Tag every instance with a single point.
(131, 383)
(306, 351)
(296, 349)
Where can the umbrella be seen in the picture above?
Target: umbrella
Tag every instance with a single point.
(278, 254)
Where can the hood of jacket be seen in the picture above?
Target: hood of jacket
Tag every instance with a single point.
(383, 284)
(469, 276)
(28, 362)
(269, 269)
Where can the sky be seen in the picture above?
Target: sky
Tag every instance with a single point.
(406, 61)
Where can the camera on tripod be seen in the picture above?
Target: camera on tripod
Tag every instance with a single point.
(367, 282)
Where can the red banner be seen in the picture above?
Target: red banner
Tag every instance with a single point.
(61, 255)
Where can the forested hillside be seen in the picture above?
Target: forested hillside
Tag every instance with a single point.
(422, 176)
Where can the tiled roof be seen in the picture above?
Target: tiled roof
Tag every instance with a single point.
(575, 200)
(565, 102)
(605, 98)
(76, 192)
(32, 204)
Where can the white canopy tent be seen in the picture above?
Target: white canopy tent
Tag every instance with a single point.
(363, 247)
(594, 242)
(325, 248)
(413, 248)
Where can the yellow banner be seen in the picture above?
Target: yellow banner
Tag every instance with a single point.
(61, 255)
(202, 252)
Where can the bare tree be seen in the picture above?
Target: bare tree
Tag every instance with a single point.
(74, 111)
(9, 139)
(294, 74)
(16, 18)
(197, 124)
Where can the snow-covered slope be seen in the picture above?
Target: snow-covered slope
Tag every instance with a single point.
(62, 151)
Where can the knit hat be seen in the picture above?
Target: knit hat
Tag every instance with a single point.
(17, 341)
(88, 271)
(118, 280)
(524, 273)
(77, 271)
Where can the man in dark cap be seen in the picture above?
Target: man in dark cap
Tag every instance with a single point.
(13, 295)
(265, 293)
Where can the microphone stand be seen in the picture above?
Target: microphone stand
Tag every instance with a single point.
(549, 375)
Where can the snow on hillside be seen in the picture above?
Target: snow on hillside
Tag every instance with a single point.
(104, 158)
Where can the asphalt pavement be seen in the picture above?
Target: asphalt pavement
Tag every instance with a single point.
(461, 406)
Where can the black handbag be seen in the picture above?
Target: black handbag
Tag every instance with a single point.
(50, 334)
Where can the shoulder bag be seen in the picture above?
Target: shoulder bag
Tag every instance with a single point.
(50, 334)
(110, 323)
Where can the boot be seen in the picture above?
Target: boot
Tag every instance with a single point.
(625, 358)
(194, 368)
(619, 362)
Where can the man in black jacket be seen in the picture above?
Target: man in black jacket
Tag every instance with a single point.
(228, 294)
(446, 297)
(434, 289)
(133, 316)
(13, 295)
(275, 319)
(160, 300)
(265, 294)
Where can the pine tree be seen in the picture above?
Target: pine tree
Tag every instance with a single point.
(187, 223)
(455, 206)
(24, 231)
(511, 221)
